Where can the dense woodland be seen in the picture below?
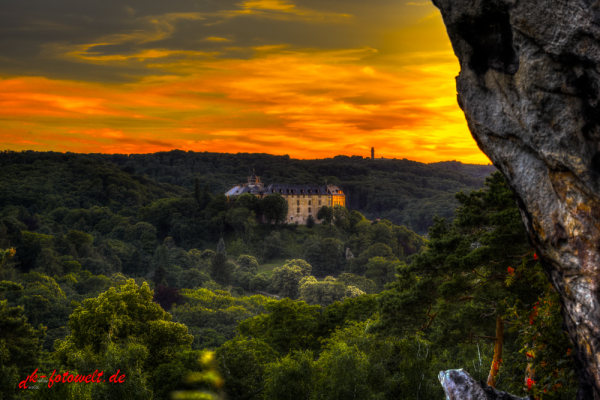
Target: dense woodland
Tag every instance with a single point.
(405, 192)
(140, 264)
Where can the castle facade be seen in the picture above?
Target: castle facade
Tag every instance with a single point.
(303, 200)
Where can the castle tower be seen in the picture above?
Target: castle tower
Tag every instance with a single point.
(372, 153)
(254, 180)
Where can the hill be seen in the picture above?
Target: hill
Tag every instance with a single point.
(405, 192)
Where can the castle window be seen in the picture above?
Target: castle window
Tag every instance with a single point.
(302, 196)
(319, 202)
(297, 202)
(309, 202)
(298, 210)
(309, 210)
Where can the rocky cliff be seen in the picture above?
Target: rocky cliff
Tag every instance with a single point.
(459, 385)
(529, 87)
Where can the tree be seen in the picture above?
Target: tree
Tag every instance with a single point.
(360, 282)
(286, 279)
(20, 346)
(288, 325)
(458, 289)
(193, 278)
(358, 364)
(238, 218)
(259, 283)
(273, 246)
(205, 197)
(323, 293)
(274, 208)
(248, 263)
(325, 255)
(325, 214)
(291, 377)
(310, 221)
(340, 217)
(79, 239)
(345, 373)
(355, 217)
(121, 314)
(381, 270)
(221, 270)
(358, 265)
(197, 194)
(172, 377)
(248, 201)
(242, 363)
(221, 247)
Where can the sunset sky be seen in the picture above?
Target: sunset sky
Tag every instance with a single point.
(308, 78)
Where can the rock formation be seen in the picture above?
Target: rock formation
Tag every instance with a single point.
(529, 87)
(459, 385)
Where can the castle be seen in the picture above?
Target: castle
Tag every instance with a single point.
(303, 200)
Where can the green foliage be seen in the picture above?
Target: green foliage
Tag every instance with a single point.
(221, 270)
(456, 289)
(358, 265)
(260, 282)
(192, 278)
(238, 248)
(172, 377)
(20, 346)
(90, 222)
(381, 270)
(288, 325)
(273, 246)
(291, 377)
(325, 214)
(286, 279)
(212, 316)
(326, 255)
(545, 348)
(248, 264)
(360, 282)
(79, 239)
(242, 364)
(274, 208)
(325, 292)
(120, 315)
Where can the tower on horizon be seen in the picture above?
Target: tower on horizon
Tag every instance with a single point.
(372, 153)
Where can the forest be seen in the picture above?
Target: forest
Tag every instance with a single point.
(138, 265)
(405, 192)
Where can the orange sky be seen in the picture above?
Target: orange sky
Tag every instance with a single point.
(311, 79)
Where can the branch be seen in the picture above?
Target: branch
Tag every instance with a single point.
(478, 274)
(431, 318)
(524, 255)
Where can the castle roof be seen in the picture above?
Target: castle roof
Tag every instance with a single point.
(284, 188)
(240, 190)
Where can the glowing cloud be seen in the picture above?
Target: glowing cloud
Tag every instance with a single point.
(183, 85)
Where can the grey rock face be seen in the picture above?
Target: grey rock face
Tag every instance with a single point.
(529, 87)
(459, 385)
